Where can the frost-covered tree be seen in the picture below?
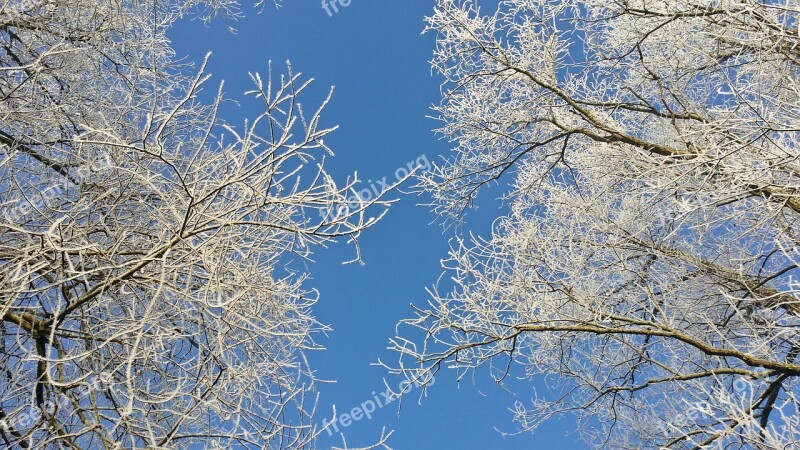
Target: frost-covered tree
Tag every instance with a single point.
(647, 265)
(149, 290)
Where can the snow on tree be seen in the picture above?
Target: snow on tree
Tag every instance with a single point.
(647, 265)
(148, 285)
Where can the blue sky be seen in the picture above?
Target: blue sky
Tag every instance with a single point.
(374, 54)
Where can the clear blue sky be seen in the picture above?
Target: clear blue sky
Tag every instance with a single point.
(373, 53)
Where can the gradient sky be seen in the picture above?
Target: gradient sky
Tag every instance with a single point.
(374, 54)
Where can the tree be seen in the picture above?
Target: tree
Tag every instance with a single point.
(149, 291)
(646, 266)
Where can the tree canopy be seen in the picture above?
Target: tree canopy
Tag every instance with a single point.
(647, 263)
(153, 285)
(150, 296)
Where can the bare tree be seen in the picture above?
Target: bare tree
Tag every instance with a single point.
(646, 268)
(149, 284)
